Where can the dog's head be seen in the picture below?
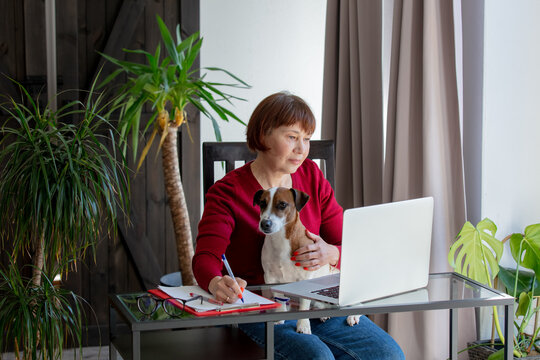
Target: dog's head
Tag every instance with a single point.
(279, 206)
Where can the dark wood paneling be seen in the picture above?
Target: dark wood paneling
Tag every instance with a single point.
(67, 45)
(9, 42)
(125, 24)
(34, 39)
(191, 150)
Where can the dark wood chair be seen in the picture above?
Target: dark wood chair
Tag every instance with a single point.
(232, 153)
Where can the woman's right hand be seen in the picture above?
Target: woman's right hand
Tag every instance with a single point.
(225, 289)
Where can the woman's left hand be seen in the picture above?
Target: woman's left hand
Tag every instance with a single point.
(314, 256)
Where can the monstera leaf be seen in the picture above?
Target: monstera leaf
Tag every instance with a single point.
(525, 281)
(476, 252)
(525, 248)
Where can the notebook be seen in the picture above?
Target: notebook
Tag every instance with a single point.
(251, 302)
(385, 251)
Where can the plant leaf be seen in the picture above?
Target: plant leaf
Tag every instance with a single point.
(523, 304)
(167, 40)
(526, 248)
(525, 281)
(478, 251)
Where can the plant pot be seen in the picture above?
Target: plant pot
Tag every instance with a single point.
(483, 351)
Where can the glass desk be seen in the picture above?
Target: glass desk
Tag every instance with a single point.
(145, 337)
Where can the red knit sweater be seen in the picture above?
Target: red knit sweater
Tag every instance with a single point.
(230, 222)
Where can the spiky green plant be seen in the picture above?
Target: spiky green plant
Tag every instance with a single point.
(59, 182)
(61, 185)
(169, 84)
(37, 320)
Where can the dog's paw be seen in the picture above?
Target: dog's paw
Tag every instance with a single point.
(323, 319)
(280, 322)
(353, 319)
(303, 326)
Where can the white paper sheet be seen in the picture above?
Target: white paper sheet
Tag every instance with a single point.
(183, 292)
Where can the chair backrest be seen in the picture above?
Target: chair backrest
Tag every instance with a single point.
(232, 152)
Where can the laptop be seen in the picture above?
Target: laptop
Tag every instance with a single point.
(385, 251)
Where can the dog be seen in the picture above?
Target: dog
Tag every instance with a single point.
(285, 233)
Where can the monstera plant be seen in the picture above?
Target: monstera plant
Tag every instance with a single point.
(477, 253)
(169, 83)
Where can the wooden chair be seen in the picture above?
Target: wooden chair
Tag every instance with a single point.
(233, 152)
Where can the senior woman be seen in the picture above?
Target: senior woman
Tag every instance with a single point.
(279, 131)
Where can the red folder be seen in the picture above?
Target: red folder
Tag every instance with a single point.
(162, 295)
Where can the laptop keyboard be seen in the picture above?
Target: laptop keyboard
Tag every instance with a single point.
(332, 292)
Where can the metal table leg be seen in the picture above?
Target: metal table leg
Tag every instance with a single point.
(509, 332)
(112, 332)
(454, 334)
(269, 340)
(136, 345)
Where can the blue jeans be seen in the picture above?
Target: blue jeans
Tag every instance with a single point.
(332, 339)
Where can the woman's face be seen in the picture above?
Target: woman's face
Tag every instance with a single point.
(288, 148)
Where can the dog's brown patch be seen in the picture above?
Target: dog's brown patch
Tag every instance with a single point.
(295, 231)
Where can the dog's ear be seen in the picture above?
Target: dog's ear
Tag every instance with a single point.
(300, 198)
(257, 197)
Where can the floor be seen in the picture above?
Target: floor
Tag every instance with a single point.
(89, 353)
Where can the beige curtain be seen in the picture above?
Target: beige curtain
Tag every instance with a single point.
(423, 153)
(423, 143)
(352, 99)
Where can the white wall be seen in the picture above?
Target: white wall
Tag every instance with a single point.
(272, 45)
(511, 121)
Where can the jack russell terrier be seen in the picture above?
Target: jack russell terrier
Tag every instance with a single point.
(285, 233)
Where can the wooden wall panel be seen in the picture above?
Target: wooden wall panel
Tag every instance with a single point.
(34, 37)
(11, 45)
(191, 150)
(67, 45)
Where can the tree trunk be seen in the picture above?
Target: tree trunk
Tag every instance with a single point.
(177, 204)
(38, 261)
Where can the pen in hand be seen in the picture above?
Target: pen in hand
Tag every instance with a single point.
(228, 267)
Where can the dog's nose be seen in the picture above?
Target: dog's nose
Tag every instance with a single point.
(266, 225)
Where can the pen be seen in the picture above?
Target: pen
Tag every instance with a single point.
(227, 266)
(210, 300)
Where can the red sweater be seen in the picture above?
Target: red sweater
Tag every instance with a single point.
(230, 222)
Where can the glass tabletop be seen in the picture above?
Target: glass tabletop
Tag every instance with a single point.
(444, 290)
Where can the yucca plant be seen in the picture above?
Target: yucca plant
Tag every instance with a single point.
(38, 320)
(58, 179)
(169, 84)
(61, 185)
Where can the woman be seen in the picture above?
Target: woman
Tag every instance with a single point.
(279, 132)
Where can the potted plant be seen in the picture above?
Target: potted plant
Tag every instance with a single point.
(477, 253)
(60, 187)
(169, 84)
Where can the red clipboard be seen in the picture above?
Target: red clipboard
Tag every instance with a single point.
(162, 295)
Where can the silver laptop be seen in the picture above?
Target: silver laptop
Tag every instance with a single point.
(385, 251)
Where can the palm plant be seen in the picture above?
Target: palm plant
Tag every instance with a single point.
(60, 186)
(169, 84)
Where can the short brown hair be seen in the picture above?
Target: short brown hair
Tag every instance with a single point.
(279, 109)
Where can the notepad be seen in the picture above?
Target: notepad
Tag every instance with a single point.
(252, 301)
